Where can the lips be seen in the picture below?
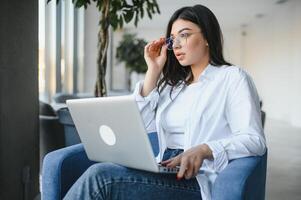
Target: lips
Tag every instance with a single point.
(179, 55)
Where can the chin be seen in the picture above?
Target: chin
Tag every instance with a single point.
(184, 64)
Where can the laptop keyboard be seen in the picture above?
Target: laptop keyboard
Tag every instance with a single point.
(163, 169)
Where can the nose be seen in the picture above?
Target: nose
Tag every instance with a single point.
(176, 44)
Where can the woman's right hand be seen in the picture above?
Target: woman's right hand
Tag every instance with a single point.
(155, 55)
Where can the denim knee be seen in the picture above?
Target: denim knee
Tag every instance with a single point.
(111, 181)
(106, 170)
(98, 179)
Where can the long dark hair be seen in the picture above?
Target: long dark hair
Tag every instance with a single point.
(173, 72)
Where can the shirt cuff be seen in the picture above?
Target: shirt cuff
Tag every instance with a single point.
(220, 158)
(152, 97)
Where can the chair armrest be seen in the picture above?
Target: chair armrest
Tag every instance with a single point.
(61, 168)
(243, 178)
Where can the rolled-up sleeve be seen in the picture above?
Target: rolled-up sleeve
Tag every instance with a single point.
(147, 106)
(244, 118)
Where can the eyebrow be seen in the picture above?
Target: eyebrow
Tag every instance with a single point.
(183, 29)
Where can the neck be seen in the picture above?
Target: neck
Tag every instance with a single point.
(197, 69)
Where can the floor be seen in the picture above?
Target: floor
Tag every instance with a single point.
(284, 161)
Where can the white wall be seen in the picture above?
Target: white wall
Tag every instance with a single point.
(233, 44)
(272, 57)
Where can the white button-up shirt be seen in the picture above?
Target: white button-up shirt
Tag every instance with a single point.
(175, 116)
(225, 115)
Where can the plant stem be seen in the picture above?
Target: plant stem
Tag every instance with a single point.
(103, 40)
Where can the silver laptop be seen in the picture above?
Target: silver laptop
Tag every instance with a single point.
(111, 130)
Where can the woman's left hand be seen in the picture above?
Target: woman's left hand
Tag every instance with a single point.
(189, 161)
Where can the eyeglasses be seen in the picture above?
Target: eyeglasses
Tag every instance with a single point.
(180, 39)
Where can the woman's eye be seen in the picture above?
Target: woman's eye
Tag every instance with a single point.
(183, 35)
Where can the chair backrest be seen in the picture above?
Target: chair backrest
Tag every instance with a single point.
(51, 132)
(62, 97)
(45, 109)
(70, 132)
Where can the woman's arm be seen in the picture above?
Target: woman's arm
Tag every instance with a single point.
(155, 58)
(244, 118)
(146, 95)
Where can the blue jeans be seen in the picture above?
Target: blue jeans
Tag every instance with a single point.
(111, 181)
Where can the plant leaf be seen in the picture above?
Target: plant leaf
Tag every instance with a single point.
(113, 20)
(128, 16)
(99, 4)
(141, 12)
(149, 13)
(136, 19)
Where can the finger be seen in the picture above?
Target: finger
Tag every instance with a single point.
(197, 165)
(154, 47)
(183, 168)
(158, 44)
(164, 162)
(164, 50)
(175, 161)
(190, 169)
(151, 44)
(162, 40)
(146, 48)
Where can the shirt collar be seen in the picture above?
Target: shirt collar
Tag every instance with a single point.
(208, 72)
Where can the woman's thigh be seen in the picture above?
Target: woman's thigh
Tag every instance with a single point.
(111, 181)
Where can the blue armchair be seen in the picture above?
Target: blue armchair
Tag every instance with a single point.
(243, 178)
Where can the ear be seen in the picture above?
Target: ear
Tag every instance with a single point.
(206, 43)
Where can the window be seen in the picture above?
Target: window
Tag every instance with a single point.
(60, 48)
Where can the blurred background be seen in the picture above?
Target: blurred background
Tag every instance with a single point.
(262, 37)
(48, 54)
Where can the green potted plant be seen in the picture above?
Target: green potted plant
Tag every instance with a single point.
(130, 51)
(114, 13)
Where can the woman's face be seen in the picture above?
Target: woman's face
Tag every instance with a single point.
(189, 47)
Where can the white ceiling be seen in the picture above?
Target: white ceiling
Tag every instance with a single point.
(230, 13)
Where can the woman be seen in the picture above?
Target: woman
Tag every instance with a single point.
(205, 111)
